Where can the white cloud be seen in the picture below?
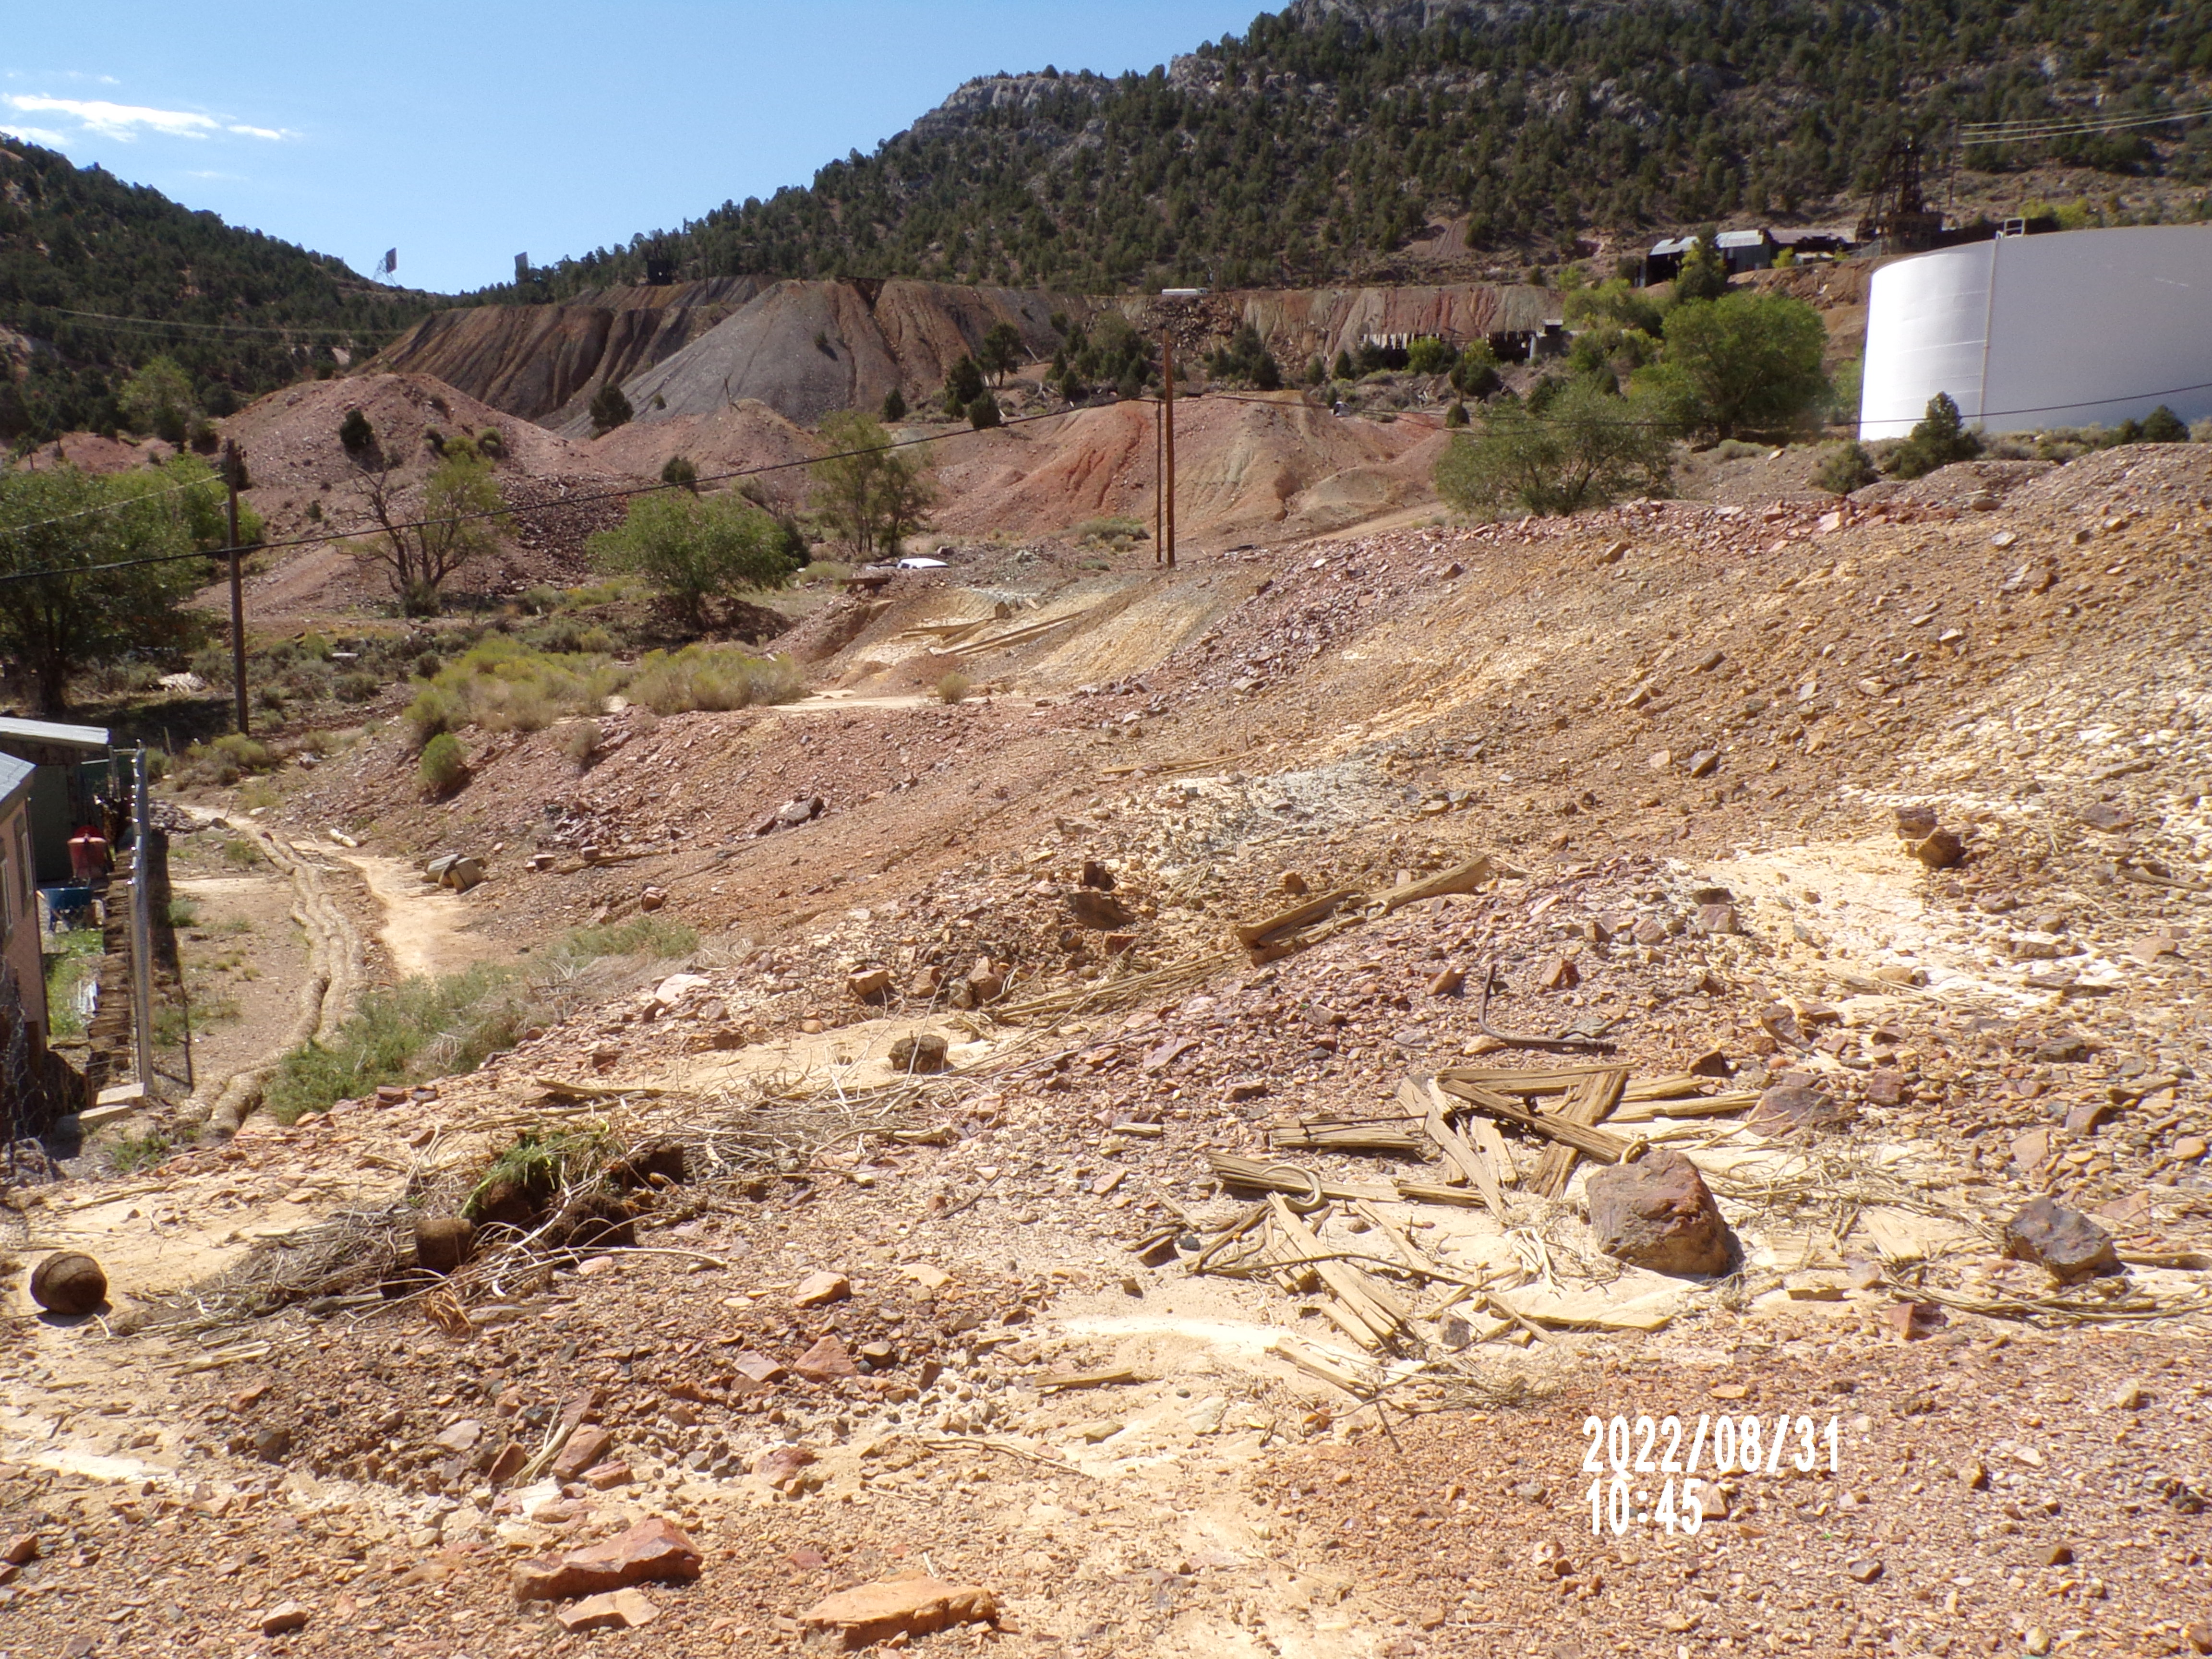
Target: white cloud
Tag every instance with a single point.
(126, 122)
(45, 135)
(119, 121)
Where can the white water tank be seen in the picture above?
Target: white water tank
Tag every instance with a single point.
(2073, 328)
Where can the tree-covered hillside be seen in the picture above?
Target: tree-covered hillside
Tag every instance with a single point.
(242, 313)
(1313, 146)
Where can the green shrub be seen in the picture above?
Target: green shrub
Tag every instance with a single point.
(653, 937)
(435, 710)
(71, 959)
(894, 409)
(1940, 438)
(240, 854)
(953, 686)
(180, 913)
(355, 686)
(609, 408)
(228, 758)
(445, 764)
(692, 549)
(581, 743)
(356, 433)
(680, 470)
(1844, 468)
(713, 676)
(983, 413)
(421, 1027)
(490, 445)
(540, 600)
(131, 1153)
(1584, 449)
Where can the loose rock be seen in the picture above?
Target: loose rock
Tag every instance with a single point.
(653, 1550)
(2064, 1241)
(910, 1607)
(1658, 1214)
(68, 1282)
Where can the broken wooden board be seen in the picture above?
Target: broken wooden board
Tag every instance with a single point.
(1466, 1160)
(1059, 1380)
(1652, 1107)
(1363, 1298)
(1590, 1105)
(1313, 909)
(1901, 1235)
(1254, 1175)
(1347, 1136)
(1555, 1127)
(1602, 1310)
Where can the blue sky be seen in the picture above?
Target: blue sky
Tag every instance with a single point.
(464, 133)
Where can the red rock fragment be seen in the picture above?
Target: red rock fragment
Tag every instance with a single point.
(651, 1550)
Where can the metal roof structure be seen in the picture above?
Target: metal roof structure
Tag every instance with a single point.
(15, 777)
(54, 733)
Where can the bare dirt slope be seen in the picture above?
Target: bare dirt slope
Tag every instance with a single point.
(544, 362)
(1678, 734)
(306, 484)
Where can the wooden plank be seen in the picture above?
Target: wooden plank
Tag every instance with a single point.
(1588, 1106)
(1346, 1137)
(1491, 1145)
(1724, 1105)
(1460, 879)
(1521, 1080)
(1087, 1379)
(1671, 1087)
(1363, 1298)
(1426, 1192)
(1466, 1160)
(1552, 1126)
(1252, 1175)
(1313, 909)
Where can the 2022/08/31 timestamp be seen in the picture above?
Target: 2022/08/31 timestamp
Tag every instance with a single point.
(1747, 1445)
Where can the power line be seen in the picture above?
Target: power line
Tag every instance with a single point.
(2025, 131)
(232, 328)
(104, 507)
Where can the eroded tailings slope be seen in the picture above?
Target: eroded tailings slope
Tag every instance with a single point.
(1174, 1146)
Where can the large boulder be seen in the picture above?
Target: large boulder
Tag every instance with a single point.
(1657, 1213)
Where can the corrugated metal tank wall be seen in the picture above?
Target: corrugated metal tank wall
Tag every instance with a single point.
(2080, 328)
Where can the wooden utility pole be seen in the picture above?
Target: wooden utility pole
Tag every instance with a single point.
(1166, 428)
(1160, 494)
(231, 468)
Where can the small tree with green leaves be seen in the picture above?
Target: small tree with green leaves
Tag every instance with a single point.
(984, 413)
(1429, 355)
(1585, 449)
(1703, 273)
(421, 539)
(356, 434)
(1247, 360)
(682, 471)
(67, 522)
(894, 409)
(1940, 438)
(870, 496)
(609, 408)
(1002, 352)
(964, 384)
(1753, 360)
(159, 399)
(692, 549)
